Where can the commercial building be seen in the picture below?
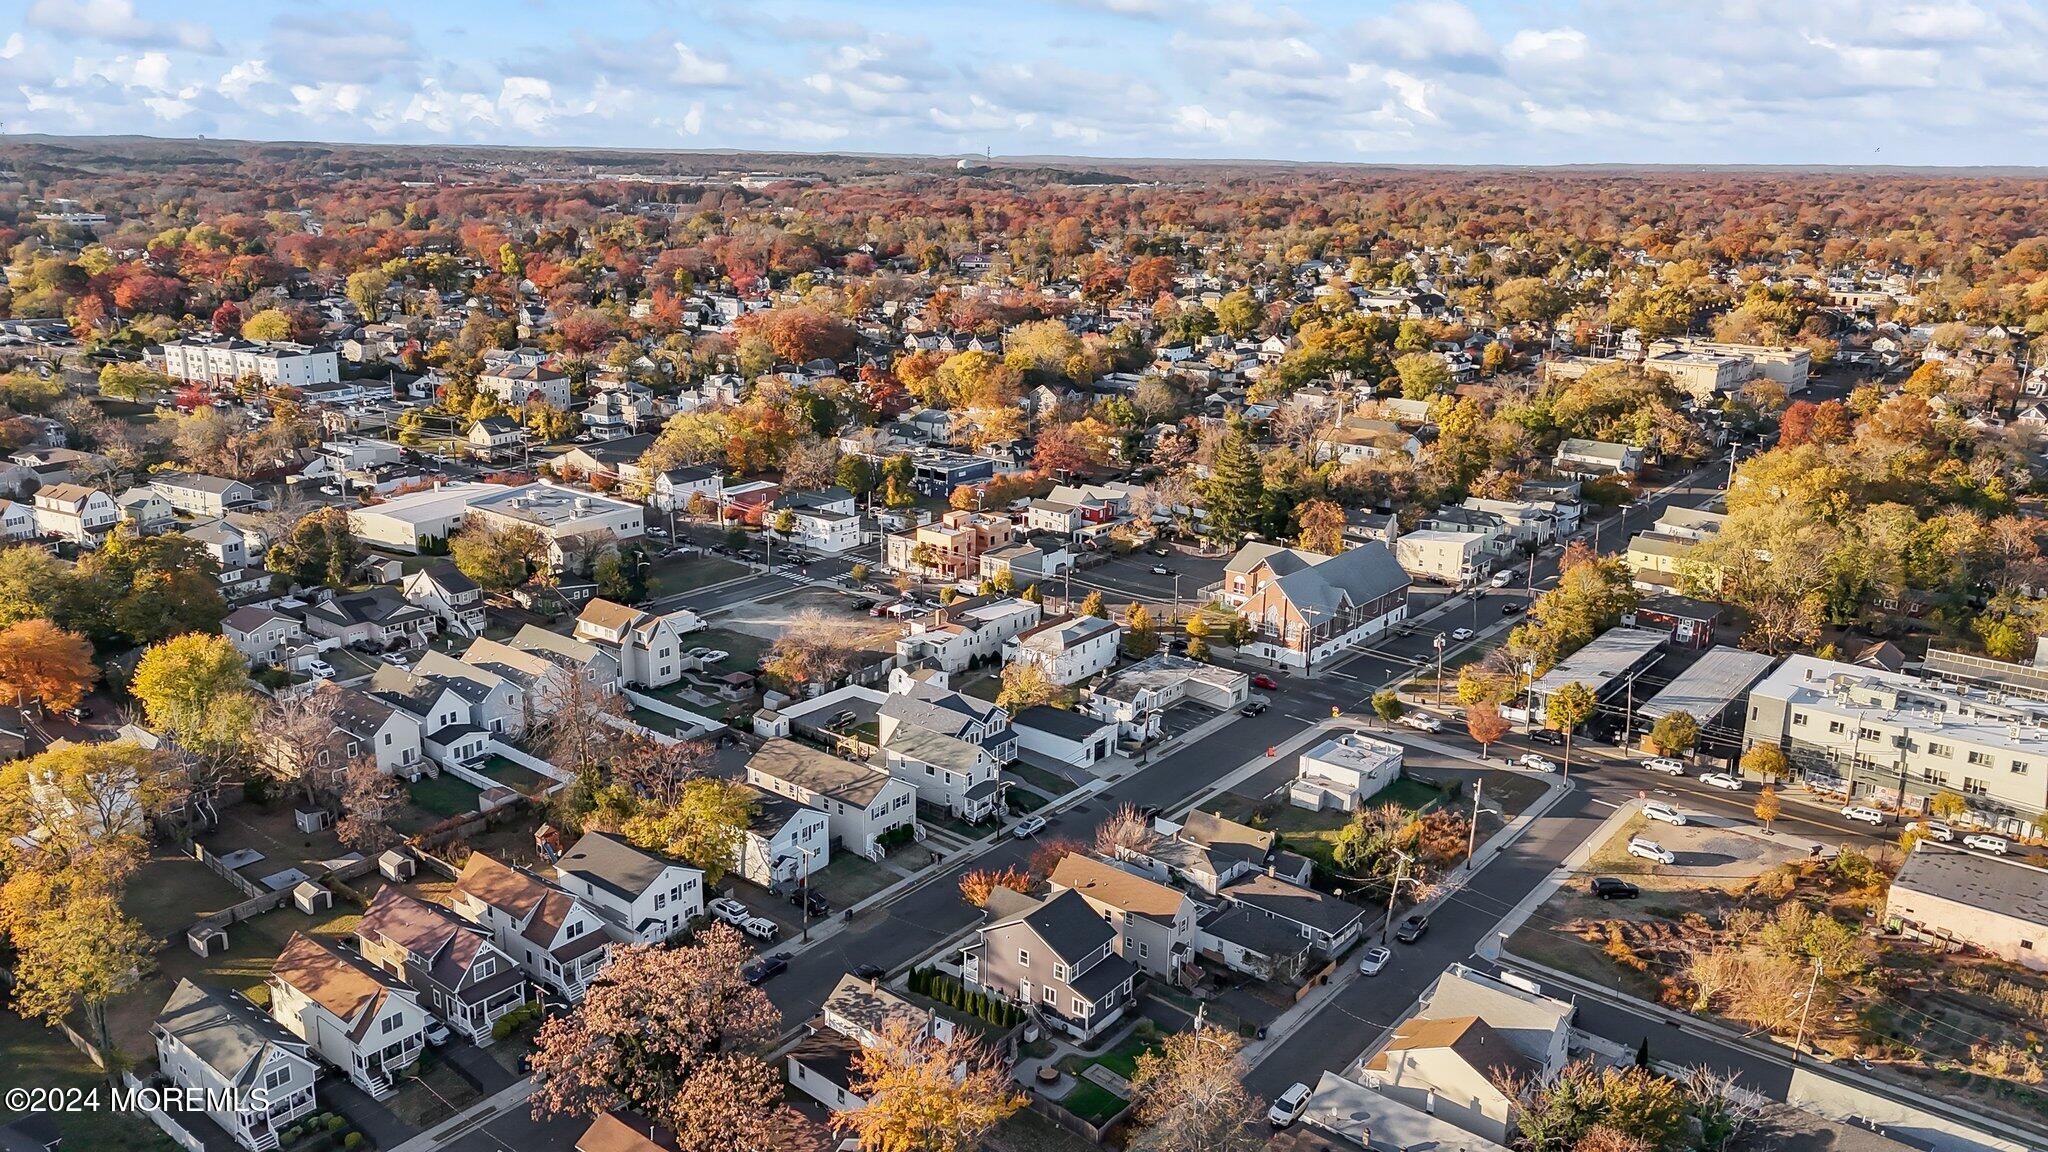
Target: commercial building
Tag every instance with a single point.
(1305, 607)
(1344, 772)
(1610, 666)
(1459, 559)
(1982, 902)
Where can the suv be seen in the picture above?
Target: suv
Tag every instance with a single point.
(1547, 736)
(1028, 826)
(810, 900)
(1864, 813)
(1984, 842)
(1664, 764)
(1421, 722)
(1934, 830)
(1658, 810)
(1647, 849)
(1412, 928)
(728, 910)
(1539, 763)
(1288, 1107)
(1613, 888)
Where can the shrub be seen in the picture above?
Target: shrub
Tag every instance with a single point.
(334, 1123)
(352, 1141)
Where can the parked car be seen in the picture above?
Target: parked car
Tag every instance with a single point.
(1254, 708)
(1503, 578)
(1934, 830)
(1864, 813)
(1546, 736)
(1161, 570)
(1539, 763)
(1462, 633)
(437, 1032)
(320, 670)
(761, 969)
(869, 972)
(1421, 722)
(1647, 849)
(810, 900)
(1658, 810)
(1265, 683)
(728, 910)
(1614, 888)
(1412, 928)
(708, 655)
(1665, 764)
(1374, 959)
(79, 713)
(1512, 607)
(398, 659)
(1027, 827)
(760, 928)
(1722, 780)
(1985, 842)
(863, 604)
(1289, 1106)
(1160, 550)
(656, 530)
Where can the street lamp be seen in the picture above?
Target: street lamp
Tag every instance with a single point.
(1472, 830)
(1439, 645)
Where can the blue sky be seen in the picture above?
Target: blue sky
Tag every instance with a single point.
(1418, 81)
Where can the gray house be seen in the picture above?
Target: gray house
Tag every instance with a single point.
(1055, 956)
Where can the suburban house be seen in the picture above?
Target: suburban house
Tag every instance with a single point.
(255, 1077)
(1057, 956)
(672, 489)
(17, 521)
(194, 494)
(1359, 438)
(1068, 650)
(1344, 772)
(75, 513)
(1154, 922)
(863, 804)
(377, 616)
(466, 981)
(1459, 559)
(966, 632)
(497, 704)
(1537, 1026)
(1028, 561)
(142, 507)
(496, 438)
(441, 590)
(1995, 906)
(599, 667)
(1063, 736)
(369, 1027)
(1304, 606)
(648, 647)
(1449, 1067)
(783, 842)
(643, 898)
(262, 634)
(365, 725)
(1136, 699)
(1207, 851)
(858, 1014)
(950, 747)
(516, 385)
(1326, 922)
(1344, 1115)
(1594, 459)
(559, 941)
(825, 522)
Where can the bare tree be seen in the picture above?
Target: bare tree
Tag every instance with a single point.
(367, 798)
(656, 772)
(295, 741)
(1126, 830)
(574, 723)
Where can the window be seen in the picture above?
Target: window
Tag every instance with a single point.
(2019, 767)
(391, 1024)
(276, 1077)
(660, 901)
(1942, 750)
(1023, 958)
(1798, 718)
(1974, 787)
(1082, 1007)
(1835, 727)
(1980, 759)
(1059, 970)
(354, 749)
(387, 739)
(486, 967)
(1052, 996)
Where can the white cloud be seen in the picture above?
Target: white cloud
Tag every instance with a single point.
(1549, 48)
(693, 67)
(117, 22)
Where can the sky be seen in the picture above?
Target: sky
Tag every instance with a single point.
(1414, 81)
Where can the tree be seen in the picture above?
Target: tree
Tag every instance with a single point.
(1191, 1096)
(295, 738)
(573, 723)
(42, 662)
(1768, 805)
(675, 1034)
(704, 825)
(1126, 830)
(75, 950)
(76, 800)
(1198, 629)
(858, 573)
(1567, 708)
(1386, 704)
(499, 558)
(320, 549)
(1766, 762)
(976, 884)
(195, 690)
(33, 584)
(1485, 724)
(1675, 733)
(365, 289)
(1026, 685)
(1942, 805)
(268, 326)
(1423, 375)
(148, 588)
(927, 1094)
(368, 797)
(1091, 605)
(1140, 638)
(1235, 491)
(133, 382)
(1238, 314)
(813, 649)
(1322, 526)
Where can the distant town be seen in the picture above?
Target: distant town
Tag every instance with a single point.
(714, 652)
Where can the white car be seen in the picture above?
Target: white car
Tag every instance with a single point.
(1539, 763)
(1028, 826)
(656, 530)
(1650, 850)
(1421, 722)
(1375, 958)
(1982, 842)
(1722, 780)
(1288, 1108)
(729, 910)
(320, 670)
(1664, 764)
(436, 1032)
(760, 928)
(708, 655)
(1658, 810)
(1861, 812)
(1461, 633)
(1933, 829)
(399, 659)
(1503, 578)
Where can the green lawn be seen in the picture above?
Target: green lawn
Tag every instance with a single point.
(688, 573)
(1123, 1059)
(1092, 1102)
(745, 650)
(1313, 834)
(1050, 783)
(1408, 793)
(522, 780)
(849, 879)
(443, 796)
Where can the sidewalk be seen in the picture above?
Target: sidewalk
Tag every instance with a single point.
(460, 1124)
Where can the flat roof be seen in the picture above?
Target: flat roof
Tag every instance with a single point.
(1612, 654)
(1978, 881)
(1717, 679)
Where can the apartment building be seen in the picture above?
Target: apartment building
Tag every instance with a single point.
(951, 548)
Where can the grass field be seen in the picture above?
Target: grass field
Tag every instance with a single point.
(688, 573)
(1092, 1102)
(443, 796)
(1050, 783)
(522, 780)
(33, 1056)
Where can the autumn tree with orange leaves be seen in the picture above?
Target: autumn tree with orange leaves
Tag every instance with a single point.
(927, 1094)
(42, 662)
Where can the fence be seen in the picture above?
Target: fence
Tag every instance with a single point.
(243, 884)
(171, 1127)
(700, 723)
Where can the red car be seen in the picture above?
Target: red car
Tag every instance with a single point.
(1265, 683)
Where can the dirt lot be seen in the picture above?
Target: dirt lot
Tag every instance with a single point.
(769, 619)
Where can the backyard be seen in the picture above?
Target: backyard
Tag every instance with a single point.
(524, 781)
(32, 1055)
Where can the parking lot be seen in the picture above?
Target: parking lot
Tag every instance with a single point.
(1122, 579)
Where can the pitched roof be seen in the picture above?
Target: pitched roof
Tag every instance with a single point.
(499, 885)
(331, 980)
(1108, 884)
(1473, 1039)
(614, 865)
(228, 1033)
(819, 771)
(1291, 901)
(1064, 923)
(1356, 576)
(608, 615)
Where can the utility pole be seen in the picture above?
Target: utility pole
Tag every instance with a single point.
(1400, 870)
(1812, 986)
(1472, 830)
(1439, 669)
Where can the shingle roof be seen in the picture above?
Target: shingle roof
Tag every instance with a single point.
(1108, 884)
(614, 865)
(228, 1033)
(819, 771)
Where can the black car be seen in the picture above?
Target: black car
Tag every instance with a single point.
(1546, 736)
(1612, 888)
(863, 604)
(869, 972)
(1254, 708)
(761, 969)
(1512, 607)
(811, 900)
(1412, 928)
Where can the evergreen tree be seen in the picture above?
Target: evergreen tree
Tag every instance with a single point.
(1234, 492)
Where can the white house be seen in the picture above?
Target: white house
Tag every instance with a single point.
(1343, 772)
(782, 842)
(1459, 559)
(195, 494)
(672, 489)
(649, 648)
(516, 385)
(967, 631)
(17, 521)
(371, 1029)
(256, 1078)
(1065, 737)
(214, 360)
(455, 601)
(261, 634)
(1136, 699)
(862, 804)
(950, 747)
(826, 522)
(1067, 650)
(555, 937)
(643, 898)
(75, 513)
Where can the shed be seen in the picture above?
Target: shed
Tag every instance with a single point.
(311, 898)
